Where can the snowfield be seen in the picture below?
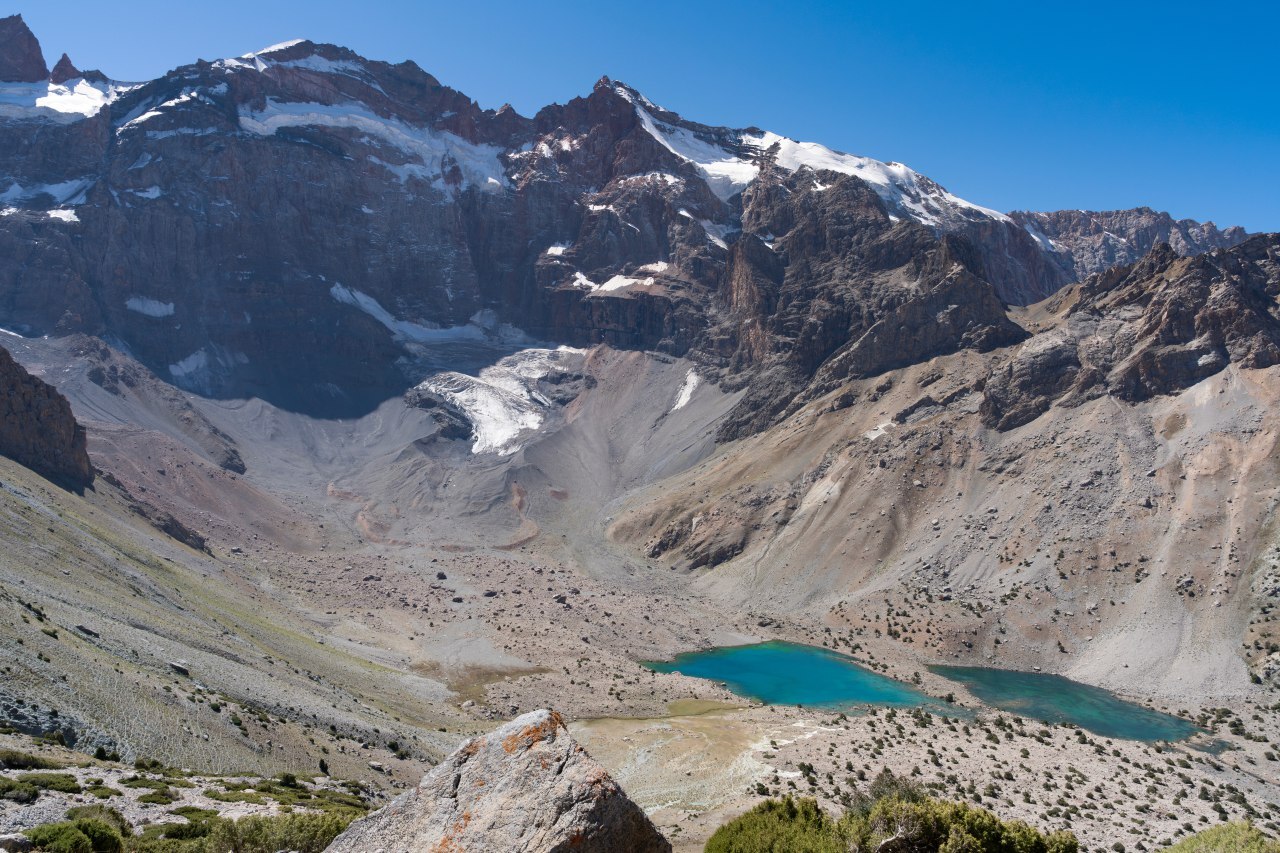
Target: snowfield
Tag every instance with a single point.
(435, 151)
(503, 403)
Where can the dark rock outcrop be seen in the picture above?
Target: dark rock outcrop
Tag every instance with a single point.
(37, 428)
(21, 60)
(1155, 327)
(527, 786)
(63, 71)
(1085, 242)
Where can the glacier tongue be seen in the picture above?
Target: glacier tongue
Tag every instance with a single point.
(502, 402)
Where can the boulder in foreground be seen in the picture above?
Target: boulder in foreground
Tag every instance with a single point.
(527, 786)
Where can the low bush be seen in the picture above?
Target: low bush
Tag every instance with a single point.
(18, 792)
(63, 783)
(301, 833)
(779, 826)
(12, 759)
(101, 813)
(162, 797)
(1228, 838)
(60, 838)
(85, 835)
(893, 814)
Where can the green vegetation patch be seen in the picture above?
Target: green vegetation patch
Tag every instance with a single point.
(104, 792)
(1228, 838)
(18, 792)
(63, 783)
(12, 759)
(235, 796)
(85, 835)
(893, 814)
(101, 813)
(163, 797)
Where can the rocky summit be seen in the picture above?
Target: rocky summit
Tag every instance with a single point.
(525, 786)
(404, 417)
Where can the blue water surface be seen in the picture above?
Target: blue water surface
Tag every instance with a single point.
(780, 673)
(1055, 699)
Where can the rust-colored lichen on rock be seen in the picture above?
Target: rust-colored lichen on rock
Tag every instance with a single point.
(533, 734)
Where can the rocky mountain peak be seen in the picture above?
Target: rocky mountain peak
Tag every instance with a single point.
(64, 70)
(21, 60)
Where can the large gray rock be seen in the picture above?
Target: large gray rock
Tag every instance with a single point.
(527, 786)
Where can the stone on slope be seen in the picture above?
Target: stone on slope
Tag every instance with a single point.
(527, 786)
(37, 428)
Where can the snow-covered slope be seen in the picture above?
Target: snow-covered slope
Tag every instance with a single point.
(731, 160)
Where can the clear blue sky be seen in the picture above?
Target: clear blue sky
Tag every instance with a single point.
(1011, 105)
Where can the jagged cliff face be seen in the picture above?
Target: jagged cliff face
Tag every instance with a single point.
(37, 428)
(1084, 242)
(300, 223)
(1156, 327)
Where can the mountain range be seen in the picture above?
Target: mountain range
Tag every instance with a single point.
(402, 415)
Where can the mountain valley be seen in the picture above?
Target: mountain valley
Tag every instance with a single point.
(407, 417)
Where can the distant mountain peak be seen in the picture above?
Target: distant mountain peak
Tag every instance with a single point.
(64, 70)
(21, 60)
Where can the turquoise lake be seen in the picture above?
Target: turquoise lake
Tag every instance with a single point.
(780, 673)
(1055, 699)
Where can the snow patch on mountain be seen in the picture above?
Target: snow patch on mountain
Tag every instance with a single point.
(437, 151)
(200, 371)
(691, 382)
(149, 307)
(275, 48)
(61, 103)
(404, 330)
(502, 402)
(729, 169)
(70, 192)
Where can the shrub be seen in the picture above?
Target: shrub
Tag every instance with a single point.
(18, 792)
(63, 783)
(12, 759)
(894, 814)
(779, 826)
(101, 813)
(163, 797)
(1229, 838)
(103, 837)
(302, 833)
(60, 838)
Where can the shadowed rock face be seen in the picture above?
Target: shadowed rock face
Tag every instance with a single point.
(526, 786)
(1086, 242)
(37, 428)
(21, 60)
